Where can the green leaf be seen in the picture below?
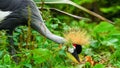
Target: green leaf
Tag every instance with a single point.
(7, 59)
(41, 55)
(28, 65)
(99, 66)
(87, 65)
(104, 27)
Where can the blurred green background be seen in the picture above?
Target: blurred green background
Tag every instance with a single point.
(36, 51)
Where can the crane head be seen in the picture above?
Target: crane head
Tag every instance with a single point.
(78, 38)
(73, 52)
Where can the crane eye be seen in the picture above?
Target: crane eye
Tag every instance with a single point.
(71, 49)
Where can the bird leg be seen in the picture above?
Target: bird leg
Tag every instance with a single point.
(11, 48)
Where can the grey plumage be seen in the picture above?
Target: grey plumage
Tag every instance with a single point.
(19, 16)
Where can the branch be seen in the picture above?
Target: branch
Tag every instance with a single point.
(82, 8)
(90, 12)
(63, 12)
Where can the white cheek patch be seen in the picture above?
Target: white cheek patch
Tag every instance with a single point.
(71, 49)
(4, 14)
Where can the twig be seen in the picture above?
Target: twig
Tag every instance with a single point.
(63, 12)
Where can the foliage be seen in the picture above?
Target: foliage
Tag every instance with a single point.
(99, 66)
(36, 51)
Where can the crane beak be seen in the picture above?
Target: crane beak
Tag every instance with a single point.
(73, 53)
(73, 56)
(76, 56)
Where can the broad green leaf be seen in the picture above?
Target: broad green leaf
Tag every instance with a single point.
(99, 66)
(111, 9)
(41, 55)
(103, 27)
(7, 59)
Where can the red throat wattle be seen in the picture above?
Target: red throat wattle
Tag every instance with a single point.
(74, 45)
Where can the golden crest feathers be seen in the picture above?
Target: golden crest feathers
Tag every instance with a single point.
(77, 36)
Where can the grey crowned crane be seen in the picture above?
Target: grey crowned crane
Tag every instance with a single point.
(14, 13)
